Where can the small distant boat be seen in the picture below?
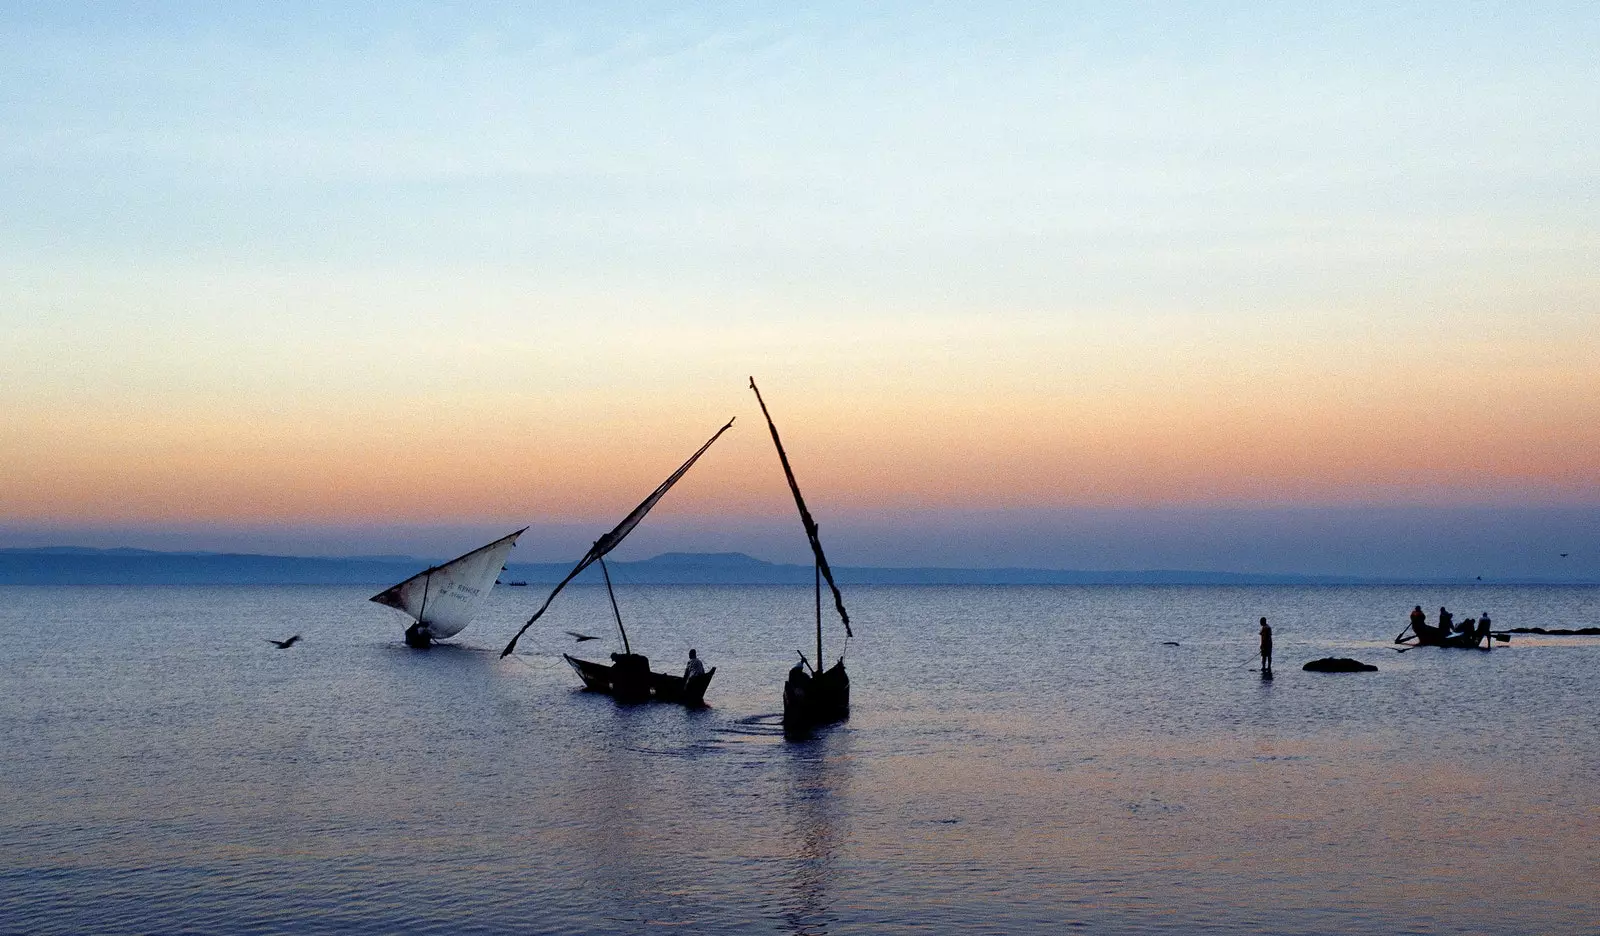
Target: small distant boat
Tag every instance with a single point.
(443, 599)
(1476, 636)
(628, 677)
(820, 696)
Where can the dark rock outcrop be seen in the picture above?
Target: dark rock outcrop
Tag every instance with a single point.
(1339, 665)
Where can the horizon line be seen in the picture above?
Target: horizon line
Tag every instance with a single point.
(1124, 576)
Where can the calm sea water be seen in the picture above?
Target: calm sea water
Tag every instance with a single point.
(1018, 760)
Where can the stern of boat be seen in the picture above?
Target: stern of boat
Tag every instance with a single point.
(816, 700)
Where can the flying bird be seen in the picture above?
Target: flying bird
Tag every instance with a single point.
(1563, 555)
(283, 644)
(580, 638)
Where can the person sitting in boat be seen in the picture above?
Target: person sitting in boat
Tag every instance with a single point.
(1447, 621)
(1419, 617)
(695, 667)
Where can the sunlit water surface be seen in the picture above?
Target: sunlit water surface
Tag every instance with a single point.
(1018, 760)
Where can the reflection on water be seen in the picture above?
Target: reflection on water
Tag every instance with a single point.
(816, 791)
(1056, 764)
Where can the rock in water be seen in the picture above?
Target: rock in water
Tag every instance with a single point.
(1339, 665)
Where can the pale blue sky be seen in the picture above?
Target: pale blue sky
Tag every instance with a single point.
(909, 153)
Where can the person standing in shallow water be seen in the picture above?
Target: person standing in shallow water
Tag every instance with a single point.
(1266, 647)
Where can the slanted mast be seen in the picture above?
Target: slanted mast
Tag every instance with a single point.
(821, 560)
(612, 539)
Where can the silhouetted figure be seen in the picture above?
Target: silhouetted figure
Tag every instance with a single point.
(1419, 617)
(694, 668)
(1266, 647)
(283, 644)
(1447, 621)
(580, 638)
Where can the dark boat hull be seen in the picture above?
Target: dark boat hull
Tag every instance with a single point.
(1430, 635)
(629, 679)
(809, 700)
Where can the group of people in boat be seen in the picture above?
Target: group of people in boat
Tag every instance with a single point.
(1448, 626)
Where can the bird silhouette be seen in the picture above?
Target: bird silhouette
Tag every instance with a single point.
(1563, 555)
(580, 638)
(283, 644)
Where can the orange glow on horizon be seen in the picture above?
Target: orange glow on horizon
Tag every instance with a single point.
(1200, 438)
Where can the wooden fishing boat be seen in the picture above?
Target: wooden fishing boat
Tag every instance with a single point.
(816, 700)
(628, 677)
(812, 696)
(1423, 634)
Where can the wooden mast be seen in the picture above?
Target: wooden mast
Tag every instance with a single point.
(625, 648)
(424, 638)
(806, 521)
(818, 570)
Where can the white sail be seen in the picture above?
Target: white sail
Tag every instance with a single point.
(444, 598)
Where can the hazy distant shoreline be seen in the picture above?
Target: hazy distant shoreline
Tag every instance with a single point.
(84, 566)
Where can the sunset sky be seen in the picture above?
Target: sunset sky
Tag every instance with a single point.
(1106, 286)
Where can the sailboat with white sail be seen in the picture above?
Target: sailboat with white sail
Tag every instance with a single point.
(820, 696)
(443, 599)
(628, 678)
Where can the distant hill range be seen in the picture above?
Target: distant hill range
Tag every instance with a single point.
(71, 565)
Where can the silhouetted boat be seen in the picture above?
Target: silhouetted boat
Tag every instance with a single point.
(442, 599)
(1476, 637)
(628, 677)
(820, 696)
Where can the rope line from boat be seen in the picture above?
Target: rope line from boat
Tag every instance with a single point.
(553, 664)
